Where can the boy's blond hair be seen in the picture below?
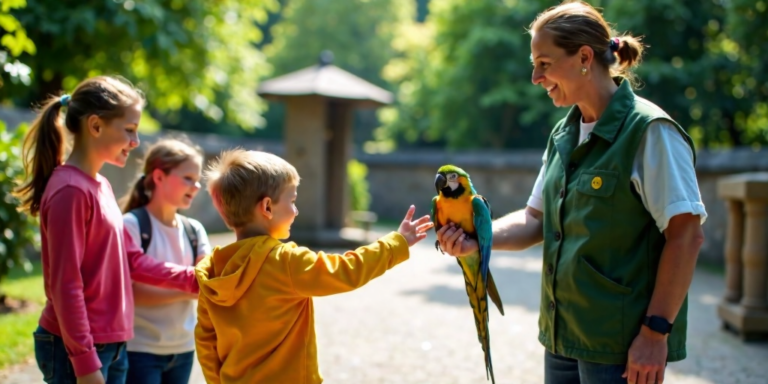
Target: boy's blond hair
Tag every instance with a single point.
(239, 179)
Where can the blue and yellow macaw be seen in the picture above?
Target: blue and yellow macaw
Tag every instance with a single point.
(457, 202)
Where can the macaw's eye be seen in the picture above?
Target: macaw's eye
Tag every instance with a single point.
(452, 176)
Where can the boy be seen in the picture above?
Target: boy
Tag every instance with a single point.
(255, 312)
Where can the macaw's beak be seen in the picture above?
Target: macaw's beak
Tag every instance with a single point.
(440, 182)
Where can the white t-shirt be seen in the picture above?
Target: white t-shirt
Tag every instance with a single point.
(170, 328)
(662, 173)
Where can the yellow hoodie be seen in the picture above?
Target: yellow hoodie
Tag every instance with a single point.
(255, 320)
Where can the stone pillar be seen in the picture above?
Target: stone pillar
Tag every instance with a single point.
(339, 151)
(744, 308)
(733, 247)
(754, 254)
(304, 137)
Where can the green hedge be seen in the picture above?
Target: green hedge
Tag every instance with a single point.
(19, 233)
(359, 196)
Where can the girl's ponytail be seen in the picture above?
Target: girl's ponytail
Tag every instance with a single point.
(137, 196)
(42, 152)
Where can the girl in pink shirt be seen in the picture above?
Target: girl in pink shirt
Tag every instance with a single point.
(88, 261)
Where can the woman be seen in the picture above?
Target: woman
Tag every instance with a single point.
(616, 205)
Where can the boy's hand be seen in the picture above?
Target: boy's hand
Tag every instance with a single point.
(414, 231)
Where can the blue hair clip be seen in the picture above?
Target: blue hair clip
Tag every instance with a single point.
(64, 100)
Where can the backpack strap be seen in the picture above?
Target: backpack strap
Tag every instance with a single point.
(145, 226)
(191, 236)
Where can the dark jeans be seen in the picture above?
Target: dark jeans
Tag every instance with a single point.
(148, 368)
(53, 361)
(562, 370)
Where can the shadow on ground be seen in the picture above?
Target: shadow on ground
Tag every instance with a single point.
(517, 276)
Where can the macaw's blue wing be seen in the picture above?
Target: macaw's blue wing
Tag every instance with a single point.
(484, 231)
(482, 221)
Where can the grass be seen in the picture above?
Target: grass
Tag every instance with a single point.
(16, 328)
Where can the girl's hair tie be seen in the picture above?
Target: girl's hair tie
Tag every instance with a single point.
(614, 44)
(64, 100)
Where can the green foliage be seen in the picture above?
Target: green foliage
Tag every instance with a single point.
(196, 54)
(463, 76)
(14, 39)
(20, 284)
(359, 195)
(20, 231)
(358, 32)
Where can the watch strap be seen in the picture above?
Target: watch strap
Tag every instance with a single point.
(658, 324)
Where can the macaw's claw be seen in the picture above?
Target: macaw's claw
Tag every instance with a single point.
(437, 247)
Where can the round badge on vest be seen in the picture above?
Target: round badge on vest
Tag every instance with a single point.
(597, 182)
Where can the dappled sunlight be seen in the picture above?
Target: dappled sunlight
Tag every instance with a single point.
(525, 264)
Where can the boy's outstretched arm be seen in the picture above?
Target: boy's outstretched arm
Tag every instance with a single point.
(205, 342)
(321, 274)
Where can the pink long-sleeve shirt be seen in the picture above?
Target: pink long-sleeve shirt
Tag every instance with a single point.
(89, 264)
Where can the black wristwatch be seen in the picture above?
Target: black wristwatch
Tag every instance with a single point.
(658, 324)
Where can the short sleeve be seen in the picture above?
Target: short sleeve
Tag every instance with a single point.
(203, 243)
(536, 200)
(664, 175)
(131, 224)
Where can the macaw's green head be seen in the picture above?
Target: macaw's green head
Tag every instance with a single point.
(452, 182)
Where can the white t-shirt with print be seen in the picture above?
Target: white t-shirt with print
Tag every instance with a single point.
(169, 328)
(662, 174)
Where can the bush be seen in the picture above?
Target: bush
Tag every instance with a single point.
(359, 196)
(20, 232)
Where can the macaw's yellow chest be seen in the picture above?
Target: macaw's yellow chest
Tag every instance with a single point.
(458, 211)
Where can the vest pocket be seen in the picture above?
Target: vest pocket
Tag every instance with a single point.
(609, 284)
(597, 182)
(598, 307)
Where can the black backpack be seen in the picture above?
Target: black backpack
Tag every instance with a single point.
(145, 229)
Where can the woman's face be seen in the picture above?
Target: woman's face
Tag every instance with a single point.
(559, 74)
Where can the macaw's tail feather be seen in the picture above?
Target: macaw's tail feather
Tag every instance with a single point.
(478, 300)
(487, 353)
(494, 293)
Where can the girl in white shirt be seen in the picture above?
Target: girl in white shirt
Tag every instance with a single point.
(162, 350)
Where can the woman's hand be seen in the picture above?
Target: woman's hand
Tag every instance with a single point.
(454, 242)
(647, 358)
(91, 378)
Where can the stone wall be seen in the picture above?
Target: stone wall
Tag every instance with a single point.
(404, 178)
(506, 179)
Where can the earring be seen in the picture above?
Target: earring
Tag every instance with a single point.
(583, 71)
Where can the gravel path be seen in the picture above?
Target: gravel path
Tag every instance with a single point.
(414, 325)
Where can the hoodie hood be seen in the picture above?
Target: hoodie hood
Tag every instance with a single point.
(228, 272)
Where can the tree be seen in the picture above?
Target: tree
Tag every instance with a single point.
(358, 32)
(20, 231)
(746, 44)
(195, 54)
(14, 41)
(463, 75)
(464, 78)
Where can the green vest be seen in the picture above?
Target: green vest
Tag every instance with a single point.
(601, 246)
